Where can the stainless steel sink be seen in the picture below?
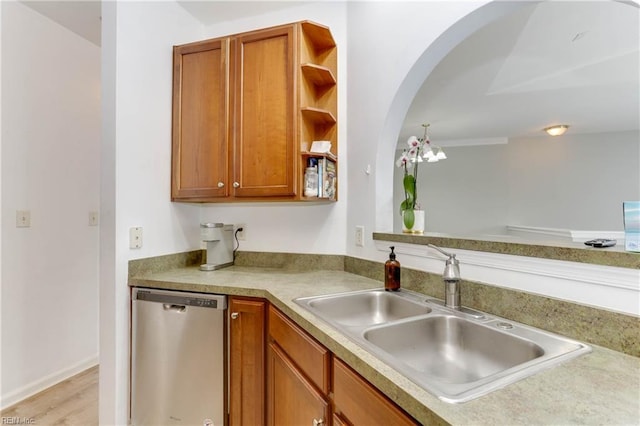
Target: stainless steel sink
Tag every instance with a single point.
(366, 308)
(455, 355)
(453, 349)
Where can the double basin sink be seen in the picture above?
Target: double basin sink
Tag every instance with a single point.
(457, 355)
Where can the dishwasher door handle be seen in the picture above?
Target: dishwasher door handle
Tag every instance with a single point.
(174, 308)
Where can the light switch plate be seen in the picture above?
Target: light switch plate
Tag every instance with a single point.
(23, 218)
(94, 219)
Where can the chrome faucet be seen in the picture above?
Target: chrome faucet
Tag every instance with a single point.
(451, 277)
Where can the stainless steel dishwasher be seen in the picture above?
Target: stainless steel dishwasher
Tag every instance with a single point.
(178, 358)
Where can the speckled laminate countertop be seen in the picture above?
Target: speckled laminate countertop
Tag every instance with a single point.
(602, 387)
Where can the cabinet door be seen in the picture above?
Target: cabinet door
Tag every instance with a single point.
(247, 362)
(291, 399)
(357, 402)
(200, 154)
(264, 120)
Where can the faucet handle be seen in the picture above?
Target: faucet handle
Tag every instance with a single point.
(441, 251)
(451, 269)
(451, 266)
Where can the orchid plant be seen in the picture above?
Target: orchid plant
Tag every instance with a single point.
(409, 160)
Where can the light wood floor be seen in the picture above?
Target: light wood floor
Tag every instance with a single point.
(73, 402)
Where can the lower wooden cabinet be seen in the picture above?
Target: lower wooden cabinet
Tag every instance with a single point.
(247, 362)
(291, 398)
(357, 402)
(281, 376)
(297, 375)
(311, 358)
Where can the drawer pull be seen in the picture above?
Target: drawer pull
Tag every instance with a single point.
(234, 315)
(318, 422)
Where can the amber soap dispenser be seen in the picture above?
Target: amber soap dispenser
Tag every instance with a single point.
(392, 273)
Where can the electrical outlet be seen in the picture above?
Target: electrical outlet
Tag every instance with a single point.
(241, 235)
(135, 237)
(360, 236)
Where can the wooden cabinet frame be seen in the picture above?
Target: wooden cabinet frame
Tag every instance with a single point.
(247, 369)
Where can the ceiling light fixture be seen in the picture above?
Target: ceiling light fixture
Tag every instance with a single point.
(557, 130)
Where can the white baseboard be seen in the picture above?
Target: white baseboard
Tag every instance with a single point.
(39, 385)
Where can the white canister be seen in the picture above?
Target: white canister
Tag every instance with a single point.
(311, 182)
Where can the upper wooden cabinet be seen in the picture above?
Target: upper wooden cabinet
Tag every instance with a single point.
(246, 109)
(200, 139)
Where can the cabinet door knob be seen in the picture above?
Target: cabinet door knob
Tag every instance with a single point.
(220, 184)
(318, 422)
(234, 315)
(236, 184)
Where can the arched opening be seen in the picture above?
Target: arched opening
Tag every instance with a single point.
(421, 70)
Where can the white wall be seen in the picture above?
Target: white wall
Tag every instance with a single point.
(388, 61)
(50, 163)
(573, 181)
(137, 40)
(465, 194)
(576, 181)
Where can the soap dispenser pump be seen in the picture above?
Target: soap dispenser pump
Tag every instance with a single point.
(392, 272)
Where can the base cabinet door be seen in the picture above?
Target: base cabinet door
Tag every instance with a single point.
(291, 399)
(357, 402)
(246, 362)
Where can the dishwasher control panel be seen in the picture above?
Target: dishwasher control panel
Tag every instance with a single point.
(203, 300)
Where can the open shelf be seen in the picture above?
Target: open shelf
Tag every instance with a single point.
(318, 115)
(318, 75)
(329, 155)
(319, 35)
(318, 100)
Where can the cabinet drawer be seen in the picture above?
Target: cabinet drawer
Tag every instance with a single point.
(360, 403)
(310, 356)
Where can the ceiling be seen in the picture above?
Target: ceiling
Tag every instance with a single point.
(211, 12)
(83, 16)
(552, 62)
(80, 16)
